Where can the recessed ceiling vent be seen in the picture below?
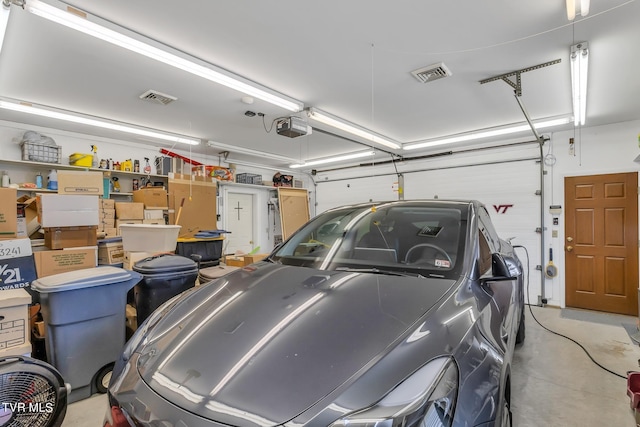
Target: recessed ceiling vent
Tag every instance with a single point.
(157, 97)
(431, 73)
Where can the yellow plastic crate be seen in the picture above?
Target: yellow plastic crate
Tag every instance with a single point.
(81, 159)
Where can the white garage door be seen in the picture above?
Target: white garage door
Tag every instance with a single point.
(508, 190)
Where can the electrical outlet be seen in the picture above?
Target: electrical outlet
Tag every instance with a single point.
(554, 233)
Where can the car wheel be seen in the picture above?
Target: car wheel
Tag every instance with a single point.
(507, 419)
(521, 330)
(102, 379)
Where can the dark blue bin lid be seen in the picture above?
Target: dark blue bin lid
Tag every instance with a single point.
(165, 263)
(85, 278)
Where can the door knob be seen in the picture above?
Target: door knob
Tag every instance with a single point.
(569, 239)
(569, 248)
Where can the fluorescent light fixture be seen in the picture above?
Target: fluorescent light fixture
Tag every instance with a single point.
(579, 68)
(333, 159)
(582, 8)
(341, 124)
(79, 21)
(250, 152)
(39, 111)
(487, 133)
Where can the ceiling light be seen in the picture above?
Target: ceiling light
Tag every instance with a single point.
(341, 124)
(250, 152)
(577, 7)
(79, 21)
(333, 159)
(85, 120)
(487, 133)
(579, 68)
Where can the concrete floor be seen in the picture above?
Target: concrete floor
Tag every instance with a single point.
(554, 382)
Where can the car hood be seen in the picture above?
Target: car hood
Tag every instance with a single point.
(263, 344)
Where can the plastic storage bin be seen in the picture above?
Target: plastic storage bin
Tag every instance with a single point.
(164, 276)
(84, 314)
(208, 274)
(210, 251)
(81, 159)
(149, 237)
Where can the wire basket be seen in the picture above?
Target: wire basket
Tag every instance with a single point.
(40, 152)
(249, 178)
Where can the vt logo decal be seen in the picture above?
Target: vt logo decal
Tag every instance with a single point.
(502, 208)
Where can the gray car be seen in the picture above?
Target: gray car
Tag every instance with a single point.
(403, 313)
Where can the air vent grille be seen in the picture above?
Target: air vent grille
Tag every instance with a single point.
(157, 97)
(431, 73)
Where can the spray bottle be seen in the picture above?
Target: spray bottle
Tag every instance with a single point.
(95, 163)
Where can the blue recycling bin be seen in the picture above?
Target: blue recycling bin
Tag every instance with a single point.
(84, 315)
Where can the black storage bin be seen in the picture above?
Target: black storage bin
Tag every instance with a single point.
(163, 277)
(209, 250)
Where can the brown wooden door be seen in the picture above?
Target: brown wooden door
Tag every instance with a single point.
(601, 242)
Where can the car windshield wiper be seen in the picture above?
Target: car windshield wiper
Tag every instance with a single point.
(379, 271)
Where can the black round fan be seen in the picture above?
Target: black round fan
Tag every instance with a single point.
(32, 393)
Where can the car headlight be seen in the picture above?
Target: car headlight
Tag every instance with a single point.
(426, 398)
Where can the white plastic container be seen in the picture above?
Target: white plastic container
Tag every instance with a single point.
(149, 237)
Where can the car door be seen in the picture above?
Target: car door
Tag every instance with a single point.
(503, 292)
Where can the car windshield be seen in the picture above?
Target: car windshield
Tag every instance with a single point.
(419, 239)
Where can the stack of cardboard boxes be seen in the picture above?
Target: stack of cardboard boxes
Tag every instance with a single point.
(17, 270)
(70, 224)
(128, 213)
(107, 218)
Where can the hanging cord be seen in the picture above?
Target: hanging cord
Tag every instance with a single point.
(557, 333)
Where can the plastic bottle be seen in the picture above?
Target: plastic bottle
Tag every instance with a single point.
(39, 180)
(52, 180)
(5, 179)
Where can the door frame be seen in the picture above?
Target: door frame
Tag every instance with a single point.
(559, 253)
(260, 217)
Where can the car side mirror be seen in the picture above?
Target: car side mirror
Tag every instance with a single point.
(503, 268)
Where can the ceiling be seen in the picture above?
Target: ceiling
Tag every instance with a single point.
(352, 59)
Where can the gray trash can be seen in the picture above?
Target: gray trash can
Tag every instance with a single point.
(163, 277)
(84, 314)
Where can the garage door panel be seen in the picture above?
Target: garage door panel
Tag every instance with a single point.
(507, 189)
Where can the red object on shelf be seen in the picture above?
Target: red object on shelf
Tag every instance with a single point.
(186, 159)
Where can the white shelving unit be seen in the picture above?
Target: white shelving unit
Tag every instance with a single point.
(25, 170)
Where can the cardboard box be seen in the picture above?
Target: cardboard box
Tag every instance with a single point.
(129, 210)
(107, 223)
(107, 204)
(153, 214)
(250, 259)
(107, 213)
(8, 213)
(15, 328)
(152, 197)
(199, 208)
(234, 261)
(110, 253)
(16, 264)
(130, 258)
(110, 232)
(64, 210)
(28, 223)
(243, 260)
(80, 182)
(62, 260)
(70, 237)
